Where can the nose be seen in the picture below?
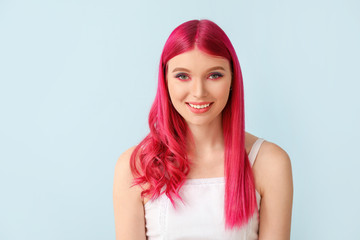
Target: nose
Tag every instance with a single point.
(198, 88)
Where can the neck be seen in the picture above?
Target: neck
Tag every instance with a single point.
(207, 139)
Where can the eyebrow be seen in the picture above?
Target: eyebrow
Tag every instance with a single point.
(210, 69)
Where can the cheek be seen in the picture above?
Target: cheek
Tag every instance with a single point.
(176, 92)
(221, 92)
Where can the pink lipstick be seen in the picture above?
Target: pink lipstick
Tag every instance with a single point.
(199, 107)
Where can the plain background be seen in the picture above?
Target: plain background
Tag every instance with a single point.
(78, 79)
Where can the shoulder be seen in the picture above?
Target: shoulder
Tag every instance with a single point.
(125, 156)
(123, 174)
(272, 168)
(128, 207)
(271, 154)
(273, 177)
(250, 139)
(123, 163)
(122, 166)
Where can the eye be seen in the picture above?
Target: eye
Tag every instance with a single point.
(182, 76)
(215, 75)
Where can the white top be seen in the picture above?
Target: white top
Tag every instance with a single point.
(203, 215)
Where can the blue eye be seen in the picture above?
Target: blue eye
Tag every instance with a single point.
(215, 75)
(182, 76)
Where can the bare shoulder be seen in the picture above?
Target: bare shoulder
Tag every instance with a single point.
(272, 164)
(123, 177)
(250, 139)
(123, 162)
(122, 167)
(125, 156)
(273, 177)
(271, 153)
(128, 207)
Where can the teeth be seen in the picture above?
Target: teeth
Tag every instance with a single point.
(199, 106)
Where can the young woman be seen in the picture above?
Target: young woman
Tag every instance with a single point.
(194, 176)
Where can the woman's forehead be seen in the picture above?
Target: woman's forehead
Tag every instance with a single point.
(197, 59)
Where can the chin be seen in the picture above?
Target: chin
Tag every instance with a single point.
(198, 123)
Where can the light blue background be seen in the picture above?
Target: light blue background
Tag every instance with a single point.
(78, 79)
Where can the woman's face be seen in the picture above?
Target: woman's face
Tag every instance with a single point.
(199, 86)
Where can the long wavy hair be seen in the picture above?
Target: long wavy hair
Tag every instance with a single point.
(160, 160)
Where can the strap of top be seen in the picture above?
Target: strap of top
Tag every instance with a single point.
(254, 150)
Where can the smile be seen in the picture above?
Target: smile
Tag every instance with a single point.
(199, 108)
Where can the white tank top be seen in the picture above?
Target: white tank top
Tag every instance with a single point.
(203, 215)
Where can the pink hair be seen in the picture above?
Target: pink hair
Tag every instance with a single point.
(162, 153)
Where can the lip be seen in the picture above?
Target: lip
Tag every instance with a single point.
(199, 103)
(200, 110)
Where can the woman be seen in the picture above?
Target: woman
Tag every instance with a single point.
(195, 176)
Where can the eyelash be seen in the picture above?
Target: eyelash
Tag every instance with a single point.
(180, 75)
(186, 75)
(216, 73)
